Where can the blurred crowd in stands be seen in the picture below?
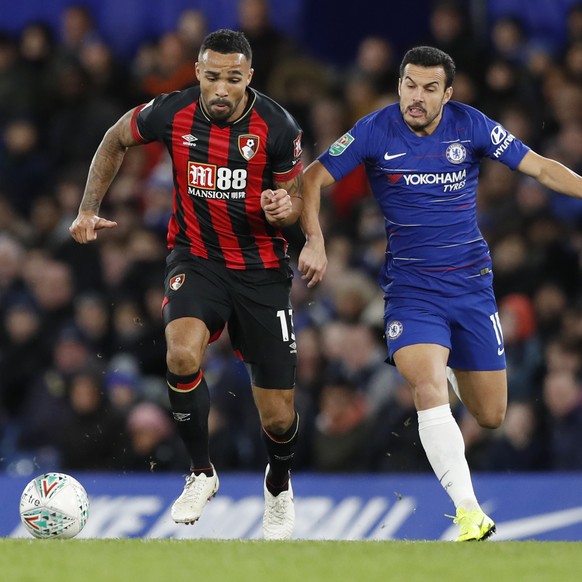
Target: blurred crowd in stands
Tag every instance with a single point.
(82, 353)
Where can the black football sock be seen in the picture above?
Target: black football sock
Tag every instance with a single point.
(280, 451)
(190, 403)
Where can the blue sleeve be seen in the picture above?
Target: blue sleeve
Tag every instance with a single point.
(494, 141)
(347, 152)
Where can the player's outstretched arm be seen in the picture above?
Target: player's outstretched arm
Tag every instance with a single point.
(104, 167)
(551, 174)
(313, 259)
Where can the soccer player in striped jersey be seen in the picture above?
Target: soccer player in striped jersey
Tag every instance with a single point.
(238, 180)
(422, 159)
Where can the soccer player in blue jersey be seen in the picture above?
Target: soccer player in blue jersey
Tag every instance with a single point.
(422, 159)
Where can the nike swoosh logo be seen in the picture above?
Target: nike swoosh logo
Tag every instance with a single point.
(500, 351)
(388, 157)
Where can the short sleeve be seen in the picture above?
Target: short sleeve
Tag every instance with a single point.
(494, 141)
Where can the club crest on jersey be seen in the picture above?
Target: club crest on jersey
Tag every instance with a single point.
(456, 153)
(394, 330)
(177, 281)
(248, 145)
(339, 146)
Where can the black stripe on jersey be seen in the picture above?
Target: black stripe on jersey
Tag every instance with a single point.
(244, 233)
(201, 129)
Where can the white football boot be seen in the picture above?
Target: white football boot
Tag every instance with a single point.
(198, 491)
(279, 516)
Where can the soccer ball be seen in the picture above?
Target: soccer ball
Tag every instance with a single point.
(54, 505)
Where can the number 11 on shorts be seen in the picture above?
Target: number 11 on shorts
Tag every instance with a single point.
(497, 329)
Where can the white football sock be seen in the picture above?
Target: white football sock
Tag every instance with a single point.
(443, 444)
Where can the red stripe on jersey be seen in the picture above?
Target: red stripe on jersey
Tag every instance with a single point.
(264, 241)
(219, 146)
(133, 125)
(182, 125)
(290, 174)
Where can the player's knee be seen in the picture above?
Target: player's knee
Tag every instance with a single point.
(277, 420)
(491, 418)
(183, 360)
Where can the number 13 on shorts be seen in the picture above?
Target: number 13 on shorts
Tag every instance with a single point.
(286, 319)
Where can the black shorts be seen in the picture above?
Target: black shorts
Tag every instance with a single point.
(254, 304)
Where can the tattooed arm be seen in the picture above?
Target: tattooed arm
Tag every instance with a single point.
(104, 167)
(283, 206)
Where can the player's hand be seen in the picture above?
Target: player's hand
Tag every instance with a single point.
(85, 226)
(312, 261)
(276, 205)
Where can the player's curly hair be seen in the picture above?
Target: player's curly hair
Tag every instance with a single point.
(428, 56)
(226, 42)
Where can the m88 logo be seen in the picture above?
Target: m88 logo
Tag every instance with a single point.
(211, 177)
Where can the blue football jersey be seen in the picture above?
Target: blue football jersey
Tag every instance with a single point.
(427, 188)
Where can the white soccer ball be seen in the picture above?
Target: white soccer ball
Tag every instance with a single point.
(54, 505)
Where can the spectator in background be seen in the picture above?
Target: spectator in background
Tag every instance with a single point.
(233, 416)
(523, 352)
(271, 47)
(563, 355)
(191, 29)
(16, 98)
(153, 443)
(45, 406)
(297, 83)
(25, 353)
(395, 446)
(172, 68)
(24, 167)
(13, 225)
(12, 284)
(54, 290)
(77, 107)
(37, 48)
(477, 439)
(514, 269)
(519, 446)
(563, 400)
(77, 30)
(91, 318)
(550, 303)
(108, 77)
(92, 435)
(509, 41)
(573, 25)
(375, 61)
(451, 30)
(341, 428)
(122, 383)
(361, 360)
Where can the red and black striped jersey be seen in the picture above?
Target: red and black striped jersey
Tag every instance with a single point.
(219, 172)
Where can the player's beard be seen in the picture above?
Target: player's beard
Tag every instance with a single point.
(419, 124)
(220, 115)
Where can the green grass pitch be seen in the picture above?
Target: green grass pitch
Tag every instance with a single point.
(136, 560)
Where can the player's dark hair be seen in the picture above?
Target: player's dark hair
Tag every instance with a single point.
(428, 56)
(227, 42)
